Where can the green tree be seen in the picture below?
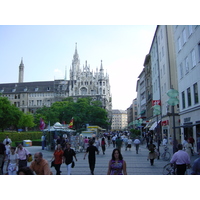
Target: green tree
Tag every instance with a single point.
(26, 120)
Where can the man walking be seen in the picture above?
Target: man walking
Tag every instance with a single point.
(91, 156)
(23, 154)
(40, 166)
(137, 144)
(181, 159)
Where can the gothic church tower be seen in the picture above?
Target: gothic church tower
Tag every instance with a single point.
(21, 72)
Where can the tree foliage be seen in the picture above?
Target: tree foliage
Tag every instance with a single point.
(84, 111)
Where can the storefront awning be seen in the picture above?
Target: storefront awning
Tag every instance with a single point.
(154, 125)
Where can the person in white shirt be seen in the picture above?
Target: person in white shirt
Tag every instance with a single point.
(7, 139)
(137, 144)
(129, 144)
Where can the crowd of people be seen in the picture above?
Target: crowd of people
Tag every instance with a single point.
(16, 158)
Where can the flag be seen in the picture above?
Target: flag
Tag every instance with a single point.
(42, 124)
(71, 123)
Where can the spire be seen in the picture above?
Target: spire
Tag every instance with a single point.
(22, 61)
(21, 71)
(101, 68)
(65, 72)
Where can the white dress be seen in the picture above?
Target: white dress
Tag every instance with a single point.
(12, 167)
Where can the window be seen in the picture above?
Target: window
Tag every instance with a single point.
(196, 98)
(193, 58)
(186, 65)
(179, 44)
(199, 51)
(190, 29)
(184, 37)
(181, 70)
(183, 99)
(162, 51)
(189, 97)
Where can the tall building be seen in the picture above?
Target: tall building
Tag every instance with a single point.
(119, 120)
(187, 40)
(29, 96)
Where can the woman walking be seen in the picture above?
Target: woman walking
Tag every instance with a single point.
(57, 157)
(13, 159)
(152, 153)
(103, 145)
(117, 166)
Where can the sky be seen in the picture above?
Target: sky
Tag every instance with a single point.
(47, 50)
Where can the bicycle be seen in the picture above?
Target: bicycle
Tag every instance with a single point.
(169, 169)
(166, 155)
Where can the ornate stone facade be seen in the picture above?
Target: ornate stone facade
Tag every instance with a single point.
(29, 96)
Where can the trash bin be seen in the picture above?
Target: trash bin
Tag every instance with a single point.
(27, 143)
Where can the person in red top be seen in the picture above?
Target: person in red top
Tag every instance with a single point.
(191, 140)
(58, 158)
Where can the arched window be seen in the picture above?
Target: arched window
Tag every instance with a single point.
(83, 91)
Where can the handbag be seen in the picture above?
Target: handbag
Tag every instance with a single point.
(53, 163)
(30, 158)
(73, 164)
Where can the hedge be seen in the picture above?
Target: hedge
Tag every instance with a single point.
(15, 136)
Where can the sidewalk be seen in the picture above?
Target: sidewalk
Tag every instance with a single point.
(137, 164)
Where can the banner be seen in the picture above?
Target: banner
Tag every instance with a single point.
(71, 123)
(42, 124)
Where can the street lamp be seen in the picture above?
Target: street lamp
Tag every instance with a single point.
(139, 123)
(172, 101)
(156, 112)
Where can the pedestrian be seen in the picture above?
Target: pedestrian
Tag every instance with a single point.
(119, 143)
(43, 140)
(68, 157)
(103, 145)
(196, 166)
(137, 144)
(12, 165)
(7, 139)
(2, 156)
(147, 139)
(192, 141)
(109, 139)
(188, 148)
(25, 171)
(129, 144)
(152, 153)
(97, 143)
(184, 143)
(91, 150)
(181, 159)
(125, 140)
(165, 141)
(114, 141)
(23, 154)
(117, 166)
(40, 165)
(58, 158)
(7, 149)
(86, 143)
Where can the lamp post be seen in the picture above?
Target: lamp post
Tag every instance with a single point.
(156, 112)
(139, 123)
(172, 101)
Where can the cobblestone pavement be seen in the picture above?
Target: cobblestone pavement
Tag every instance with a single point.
(137, 164)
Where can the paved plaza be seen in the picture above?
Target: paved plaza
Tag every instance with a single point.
(137, 164)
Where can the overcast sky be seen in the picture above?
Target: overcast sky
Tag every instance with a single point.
(48, 50)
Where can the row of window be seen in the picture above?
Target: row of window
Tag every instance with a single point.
(189, 95)
(186, 33)
(184, 66)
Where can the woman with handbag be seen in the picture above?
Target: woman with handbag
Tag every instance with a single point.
(57, 159)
